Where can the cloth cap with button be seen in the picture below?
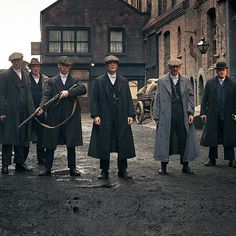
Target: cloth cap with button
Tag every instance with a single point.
(174, 62)
(34, 61)
(221, 65)
(15, 55)
(111, 58)
(64, 60)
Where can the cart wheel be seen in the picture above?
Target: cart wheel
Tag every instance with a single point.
(151, 109)
(139, 112)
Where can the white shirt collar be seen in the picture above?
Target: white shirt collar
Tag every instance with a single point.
(174, 78)
(36, 78)
(221, 81)
(18, 72)
(63, 78)
(112, 78)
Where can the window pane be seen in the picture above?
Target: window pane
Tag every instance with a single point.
(54, 35)
(68, 47)
(54, 47)
(68, 35)
(116, 36)
(116, 47)
(82, 47)
(82, 35)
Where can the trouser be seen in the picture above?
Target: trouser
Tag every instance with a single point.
(122, 164)
(70, 158)
(20, 154)
(41, 153)
(184, 163)
(228, 153)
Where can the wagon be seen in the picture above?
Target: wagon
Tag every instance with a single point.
(144, 106)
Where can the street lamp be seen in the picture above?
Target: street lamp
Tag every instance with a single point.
(202, 46)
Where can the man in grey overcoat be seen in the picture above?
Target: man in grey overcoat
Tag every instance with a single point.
(113, 112)
(173, 113)
(218, 111)
(16, 105)
(63, 118)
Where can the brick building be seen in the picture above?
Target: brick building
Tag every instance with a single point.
(174, 29)
(89, 30)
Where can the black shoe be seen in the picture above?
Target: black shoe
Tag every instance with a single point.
(124, 174)
(186, 169)
(232, 163)
(74, 172)
(210, 163)
(45, 172)
(104, 174)
(22, 167)
(5, 169)
(162, 170)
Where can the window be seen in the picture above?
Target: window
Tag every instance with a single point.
(116, 41)
(166, 51)
(179, 42)
(68, 41)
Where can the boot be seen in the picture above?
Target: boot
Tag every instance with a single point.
(162, 170)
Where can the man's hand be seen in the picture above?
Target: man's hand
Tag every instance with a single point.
(190, 119)
(156, 122)
(97, 120)
(3, 117)
(39, 111)
(130, 120)
(234, 117)
(203, 118)
(64, 94)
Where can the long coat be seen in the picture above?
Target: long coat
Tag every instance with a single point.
(162, 112)
(72, 128)
(209, 107)
(101, 136)
(10, 106)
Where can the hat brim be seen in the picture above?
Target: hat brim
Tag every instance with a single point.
(218, 68)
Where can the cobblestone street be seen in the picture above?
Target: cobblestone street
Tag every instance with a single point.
(148, 205)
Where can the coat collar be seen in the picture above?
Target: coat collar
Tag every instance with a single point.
(105, 79)
(60, 86)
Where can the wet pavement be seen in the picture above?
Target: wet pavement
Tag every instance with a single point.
(147, 205)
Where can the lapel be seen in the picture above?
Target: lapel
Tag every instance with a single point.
(167, 83)
(119, 83)
(14, 77)
(215, 84)
(105, 81)
(182, 84)
(58, 83)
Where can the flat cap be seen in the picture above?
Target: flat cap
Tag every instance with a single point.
(220, 65)
(15, 55)
(65, 60)
(111, 58)
(34, 61)
(174, 62)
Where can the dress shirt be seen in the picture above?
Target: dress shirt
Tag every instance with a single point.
(221, 81)
(174, 78)
(18, 72)
(112, 78)
(36, 78)
(63, 78)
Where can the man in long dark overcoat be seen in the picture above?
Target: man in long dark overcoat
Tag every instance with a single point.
(63, 118)
(113, 112)
(15, 106)
(218, 111)
(173, 113)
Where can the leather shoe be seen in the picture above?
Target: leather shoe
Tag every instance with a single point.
(74, 172)
(162, 170)
(232, 163)
(5, 169)
(186, 169)
(104, 174)
(22, 167)
(124, 174)
(210, 163)
(45, 172)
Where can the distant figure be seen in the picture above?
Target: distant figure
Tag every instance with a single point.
(63, 119)
(37, 80)
(173, 114)
(112, 111)
(16, 105)
(218, 111)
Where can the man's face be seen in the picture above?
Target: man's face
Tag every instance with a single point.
(64, 69)
(17, 63)
(222, 73)
(174, 70)
(112, 67)
(35, 69)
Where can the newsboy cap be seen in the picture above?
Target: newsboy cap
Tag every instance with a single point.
(111, 58)
(174, 62)
(220, 65)
(34, 61)
(15, 55)
(65, 60)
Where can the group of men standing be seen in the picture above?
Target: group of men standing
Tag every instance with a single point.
(112, 111)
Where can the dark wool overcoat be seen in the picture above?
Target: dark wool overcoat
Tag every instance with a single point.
(10, 106)
(209, 107)
(101, 136)
(72, 129)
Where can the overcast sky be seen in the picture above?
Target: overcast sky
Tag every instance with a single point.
(20, 25)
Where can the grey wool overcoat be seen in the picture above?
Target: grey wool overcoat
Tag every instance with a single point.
(101, 136)
(162, 112)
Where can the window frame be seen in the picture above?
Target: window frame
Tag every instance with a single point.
(122, 30)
